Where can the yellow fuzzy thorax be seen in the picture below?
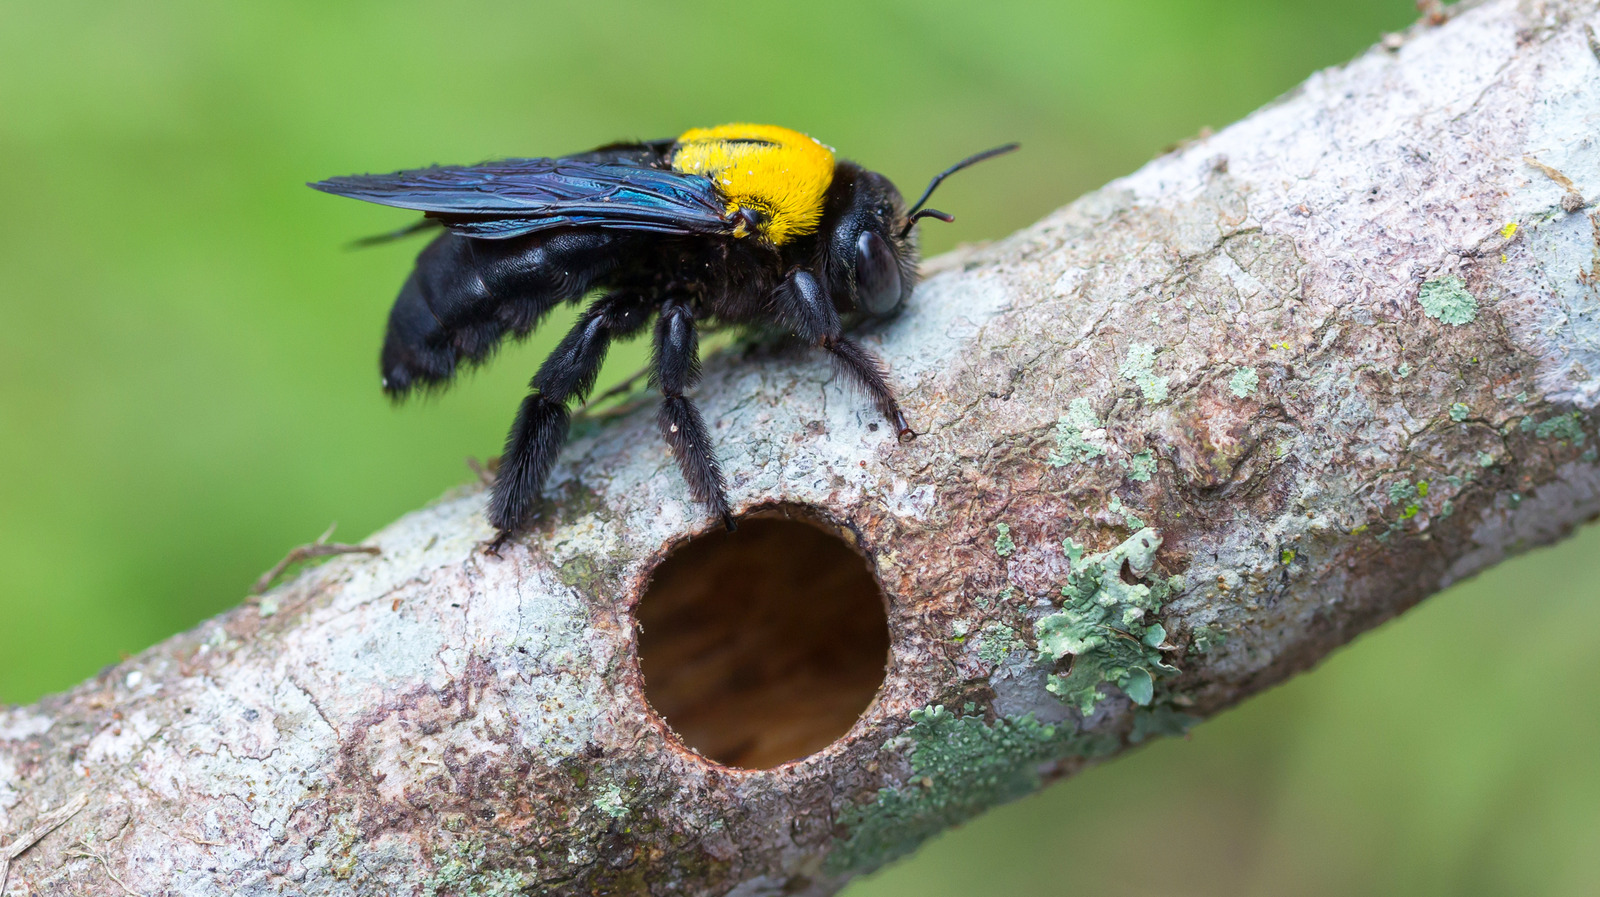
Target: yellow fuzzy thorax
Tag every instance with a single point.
(779, 173)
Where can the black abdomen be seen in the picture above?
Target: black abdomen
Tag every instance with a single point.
(465, 295)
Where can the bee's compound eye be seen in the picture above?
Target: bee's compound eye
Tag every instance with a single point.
(877, 276)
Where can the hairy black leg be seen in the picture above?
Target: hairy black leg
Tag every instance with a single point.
(465, 294)
(677, 367)
(541, 424)
(536, 436)
(808, 312)
(852, 360)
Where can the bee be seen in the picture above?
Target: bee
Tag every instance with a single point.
(743, 224)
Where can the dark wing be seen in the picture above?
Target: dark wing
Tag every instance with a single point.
(498, 200)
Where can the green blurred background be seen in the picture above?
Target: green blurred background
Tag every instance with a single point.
(188, 384)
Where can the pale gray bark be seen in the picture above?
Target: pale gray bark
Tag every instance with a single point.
(1233, 345)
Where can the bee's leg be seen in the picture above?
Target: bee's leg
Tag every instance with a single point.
(855, 362)
(464, 295)
(541, 425)
(808, 312)
(677, 367)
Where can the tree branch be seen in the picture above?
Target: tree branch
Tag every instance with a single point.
(1179, 440)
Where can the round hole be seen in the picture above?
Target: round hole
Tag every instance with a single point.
(762, 645)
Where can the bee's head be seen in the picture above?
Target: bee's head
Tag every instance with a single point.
(871, 237)
(871, 259)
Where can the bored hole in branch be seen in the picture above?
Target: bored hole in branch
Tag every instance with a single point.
(763, 645)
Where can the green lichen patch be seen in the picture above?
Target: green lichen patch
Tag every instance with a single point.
(342, 855)
(1446, 299)
(996, 642)
(1132, 520)
(581, 573)
(1102, 625)
(1003, 545)
(1459, 412)
(1073, 550)
(611, 801)
(1207, 639)
(1244, 382)
(459, 872)
(1564, 427)
(1073, 430)
(1139, 366)
(1409, 497)
(960, 766)
(1402, 492)
(1141, 466)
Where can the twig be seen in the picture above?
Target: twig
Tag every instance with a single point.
(707, 337)
(485, 472)
(89, 853)
(617, 390)
(318, 549)
(1553, 174)
(1433, 12)
(48, 822)
(1571, 202)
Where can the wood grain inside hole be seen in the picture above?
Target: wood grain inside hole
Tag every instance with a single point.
(763, 645)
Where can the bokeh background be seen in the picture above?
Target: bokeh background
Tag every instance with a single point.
(188, 384)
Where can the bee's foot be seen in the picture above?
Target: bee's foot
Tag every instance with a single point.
(492, 547)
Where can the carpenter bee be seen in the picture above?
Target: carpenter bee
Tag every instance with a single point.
(740, 224)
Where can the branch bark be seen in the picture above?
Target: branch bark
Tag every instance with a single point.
(1180, 440)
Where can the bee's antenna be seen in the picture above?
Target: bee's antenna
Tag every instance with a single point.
(917, 212)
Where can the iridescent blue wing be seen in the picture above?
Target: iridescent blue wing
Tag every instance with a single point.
(499, 200)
